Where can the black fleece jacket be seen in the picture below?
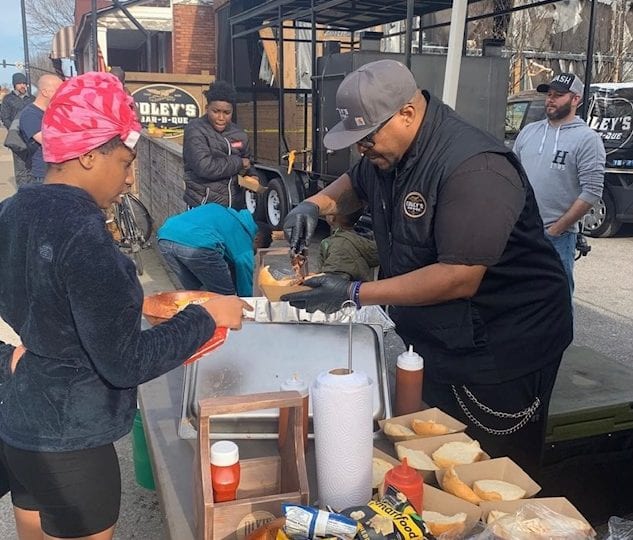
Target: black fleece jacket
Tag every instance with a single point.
(75, 302)
(12, 104)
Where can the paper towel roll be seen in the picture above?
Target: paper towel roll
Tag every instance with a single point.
(343, 436)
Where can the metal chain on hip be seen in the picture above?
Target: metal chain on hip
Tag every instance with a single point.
(525, 414)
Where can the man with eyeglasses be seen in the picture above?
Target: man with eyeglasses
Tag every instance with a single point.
(469, 278)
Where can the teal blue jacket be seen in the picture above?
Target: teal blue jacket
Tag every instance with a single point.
(212, 226)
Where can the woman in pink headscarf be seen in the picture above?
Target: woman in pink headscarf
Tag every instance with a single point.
(69, 391)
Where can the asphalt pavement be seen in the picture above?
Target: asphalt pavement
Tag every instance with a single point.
(603, 304)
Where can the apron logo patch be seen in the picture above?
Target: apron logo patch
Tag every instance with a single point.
(414, 205)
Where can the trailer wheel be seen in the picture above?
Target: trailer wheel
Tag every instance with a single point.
(255, 205)
(276, 203)
(600, 221)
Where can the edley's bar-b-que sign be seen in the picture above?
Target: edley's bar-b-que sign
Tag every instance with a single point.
(167, 107)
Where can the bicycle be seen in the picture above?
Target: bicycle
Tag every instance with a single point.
(131, 227)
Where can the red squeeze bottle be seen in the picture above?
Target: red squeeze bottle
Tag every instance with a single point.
(409, 481)
(225, 470)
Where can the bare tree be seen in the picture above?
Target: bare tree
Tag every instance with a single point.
(45, 17)
(40, 65)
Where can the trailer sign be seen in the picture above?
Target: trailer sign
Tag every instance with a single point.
(612, 118)
(167, 107)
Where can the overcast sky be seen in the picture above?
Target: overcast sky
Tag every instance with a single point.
(11, 48)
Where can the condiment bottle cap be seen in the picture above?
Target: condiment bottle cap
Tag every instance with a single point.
(410, 360)
(404, 473)
(224, 454)
(297, 384)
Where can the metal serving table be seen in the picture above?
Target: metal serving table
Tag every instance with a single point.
(172, 457)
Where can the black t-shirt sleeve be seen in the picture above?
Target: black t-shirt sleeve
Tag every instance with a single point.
(357, 180)
(477, 208)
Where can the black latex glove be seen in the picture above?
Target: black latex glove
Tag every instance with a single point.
(300, 224)
(328, 294)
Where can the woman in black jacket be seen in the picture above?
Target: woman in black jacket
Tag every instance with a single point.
(215, 151)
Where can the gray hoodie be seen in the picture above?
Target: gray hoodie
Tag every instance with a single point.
(563, 164)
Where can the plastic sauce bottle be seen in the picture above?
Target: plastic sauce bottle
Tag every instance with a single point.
(298, 385)
(409, 481)
(225, 470)
(409, 374)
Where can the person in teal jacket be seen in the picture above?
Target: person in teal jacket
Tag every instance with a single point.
(211, 248)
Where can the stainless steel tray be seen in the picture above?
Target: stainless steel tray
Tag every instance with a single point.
(261, 356)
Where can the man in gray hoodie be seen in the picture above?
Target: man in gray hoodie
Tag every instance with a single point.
(564, 160)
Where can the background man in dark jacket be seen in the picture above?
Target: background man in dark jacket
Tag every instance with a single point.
(470, 279)
(12, 104)
(215, 151)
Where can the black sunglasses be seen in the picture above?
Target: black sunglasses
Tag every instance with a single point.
(368, 140)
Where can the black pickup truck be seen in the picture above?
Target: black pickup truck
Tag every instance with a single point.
(611, 115)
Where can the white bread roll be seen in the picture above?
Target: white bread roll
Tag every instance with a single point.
(441, 524)
(266, 278)
(497, 490)
(379, 468)
(392, 429)
(457, 453)
(429, 428)
(452, 484)
(417, 459)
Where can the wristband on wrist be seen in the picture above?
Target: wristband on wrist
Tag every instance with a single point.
(354, 293)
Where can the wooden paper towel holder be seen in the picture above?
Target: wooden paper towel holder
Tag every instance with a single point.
(265, 482)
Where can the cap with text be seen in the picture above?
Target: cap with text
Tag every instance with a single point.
(565, 82)
(366, 98)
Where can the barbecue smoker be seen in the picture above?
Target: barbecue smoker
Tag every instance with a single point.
(286, 124)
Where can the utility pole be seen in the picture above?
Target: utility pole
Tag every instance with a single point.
(25, 39)
(94, 44)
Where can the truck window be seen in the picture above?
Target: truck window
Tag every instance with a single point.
(515, 113)
(536, 112)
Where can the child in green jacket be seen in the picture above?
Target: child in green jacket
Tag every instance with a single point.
(346, 252)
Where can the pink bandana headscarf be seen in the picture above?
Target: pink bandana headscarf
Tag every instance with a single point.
(86, 112)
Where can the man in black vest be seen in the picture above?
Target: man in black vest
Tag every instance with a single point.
(470, 279)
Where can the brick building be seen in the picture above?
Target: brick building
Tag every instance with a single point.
(161, 36)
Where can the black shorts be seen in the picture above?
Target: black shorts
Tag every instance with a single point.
(76, 493)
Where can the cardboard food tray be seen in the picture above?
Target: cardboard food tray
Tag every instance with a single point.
(386, 457)
(434, 414)
(558, 504)
(378, 453)
(493, 469)
(430, 444)
(447, 504)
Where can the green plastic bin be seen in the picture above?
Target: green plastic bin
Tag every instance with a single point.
(589, 443)
(142, 463)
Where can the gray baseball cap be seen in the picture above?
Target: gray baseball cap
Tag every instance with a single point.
(366, 98)
(564, 82)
